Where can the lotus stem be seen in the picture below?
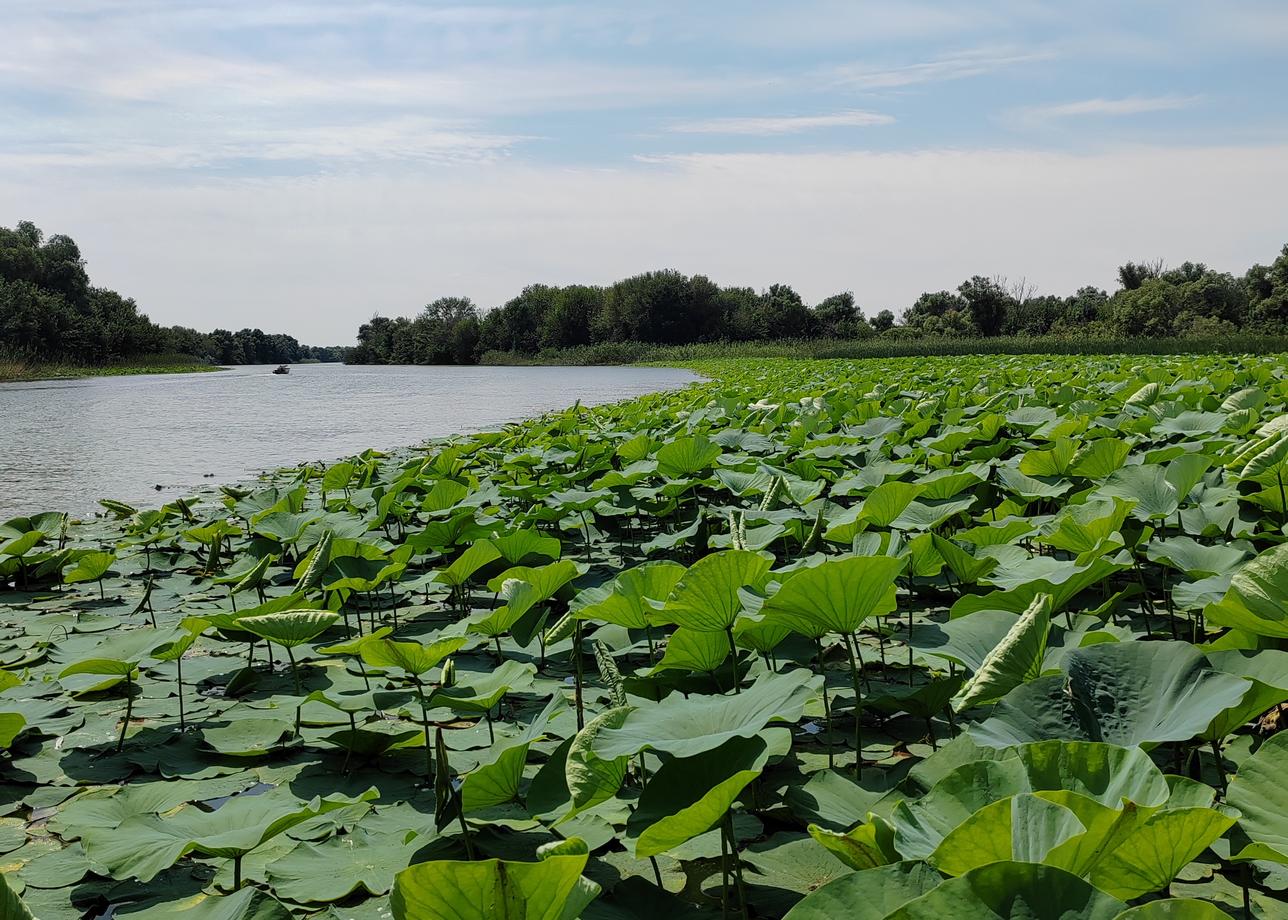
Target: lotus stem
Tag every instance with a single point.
(657, 872)
(737, 864)
(576, 654)
(295, 671)
(827, 707)
(237, 880)
(178, 662)
(1220, 767)
(858, 709)
(129, 710)
(733, 657)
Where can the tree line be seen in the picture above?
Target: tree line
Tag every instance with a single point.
(670, 308)
(50, 311)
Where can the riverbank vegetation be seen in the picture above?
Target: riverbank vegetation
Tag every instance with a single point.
(665, 309)
(51, 316)
(982, 637)
(19, 367)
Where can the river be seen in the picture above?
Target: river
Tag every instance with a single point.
(64, 444)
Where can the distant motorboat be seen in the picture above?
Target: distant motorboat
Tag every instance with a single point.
(281, 369)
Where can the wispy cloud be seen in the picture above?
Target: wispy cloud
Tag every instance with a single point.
(972, 63)
(1130, 105)
(770, 126)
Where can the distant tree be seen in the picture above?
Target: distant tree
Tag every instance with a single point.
(1132, 275)
(883, 320)
(839, 317)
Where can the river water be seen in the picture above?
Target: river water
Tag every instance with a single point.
(64, 444)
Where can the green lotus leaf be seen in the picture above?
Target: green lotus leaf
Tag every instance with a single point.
(11, 906)
(694, 650)
(593, 779)
(685, 457)
(1175, 909)
(688, 796)
(337, 868)
(625, 601)
(1267, 669)
(412, 657)
(1015, 659)
(11, 725)
(474, 558)
(1257, 600)
(864, 846)
(526, 546)
(289, 628)
(1012, 891)
(145, 845)
(89, 567)
(868, 895)
(1126, 693)
(247, 737)
(1098, 459)
(706, 597)
(1195, 559)
(492, 889)
(1259, 792)
(1154, 853)
(1023, 828)
(688, 726)
(836, 596)
(247, 904)
(478, 692)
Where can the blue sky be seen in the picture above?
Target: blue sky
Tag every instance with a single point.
(303, 165)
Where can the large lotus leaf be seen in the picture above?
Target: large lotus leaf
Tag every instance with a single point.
(524, 547)
(966, 640)
(1105, 773)
(1258, 597)
(1268, 671)
(479, 692)
(412, 657)
(11, 724)
(545, 580)
(1106, 828)
(489, 889)
(1195, 559)
(864, 846)
(1147, 485)
(142, 846)
(1086, 527)
(89, 567)
(1029, 488)
(1063, 579)
(1012, 891)
(694, 650)
(1126, 693)
(1175, 909)
(1015, 659)
(684, 457)
(474, 558)
(625, 600)
(869, 895)
(1260, 793)
(336, 868)
(246, 737)
(920, 826)
(688, 726)
(1154, 853)
(1097, 459)
(688, 796)
(290, 627)
(247, 904)
(1023, 828)
(284, 526)
(496, 779)
(706, 598)
(967, 567)
(835, 596)
(11, 906)
(593, 779)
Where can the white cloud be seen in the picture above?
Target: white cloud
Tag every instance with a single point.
(315, 257)
(971, 63)
(1107, 108)
(788, 124)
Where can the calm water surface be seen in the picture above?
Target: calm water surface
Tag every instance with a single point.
(64, 444)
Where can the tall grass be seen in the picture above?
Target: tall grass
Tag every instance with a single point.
(16, 366)
(888, 347)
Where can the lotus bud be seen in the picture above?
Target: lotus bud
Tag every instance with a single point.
(448, 677)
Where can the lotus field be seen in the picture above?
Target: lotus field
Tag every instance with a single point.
(910, 638)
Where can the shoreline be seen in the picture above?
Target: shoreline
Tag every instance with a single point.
(19, 372)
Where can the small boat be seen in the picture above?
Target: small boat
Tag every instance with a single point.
(281, 369)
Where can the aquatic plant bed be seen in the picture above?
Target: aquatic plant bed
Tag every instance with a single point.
(962, 637)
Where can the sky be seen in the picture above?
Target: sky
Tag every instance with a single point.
(303, 165)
